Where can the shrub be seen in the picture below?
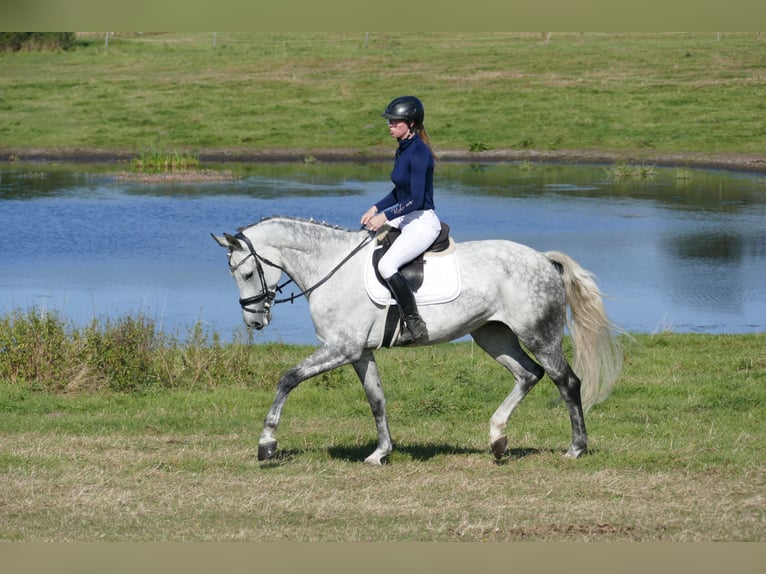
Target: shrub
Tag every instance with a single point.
(120, 352)
(17, 41)
(41, 351)
(33, 347)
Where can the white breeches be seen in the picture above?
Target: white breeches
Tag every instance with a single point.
(419, 230)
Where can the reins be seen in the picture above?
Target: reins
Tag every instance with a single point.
(270, 295)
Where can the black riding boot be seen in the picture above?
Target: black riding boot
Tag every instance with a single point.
(406, 300)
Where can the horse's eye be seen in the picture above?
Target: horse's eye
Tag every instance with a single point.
(247, 276)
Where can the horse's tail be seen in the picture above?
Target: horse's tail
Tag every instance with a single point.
(597, 354)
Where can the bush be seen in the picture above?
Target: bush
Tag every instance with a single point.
(33, 348)
(40, 350)
(17, 41)
(120, 352)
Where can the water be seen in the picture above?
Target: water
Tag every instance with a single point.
(684, 254)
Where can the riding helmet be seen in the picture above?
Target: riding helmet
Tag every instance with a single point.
(407, 108)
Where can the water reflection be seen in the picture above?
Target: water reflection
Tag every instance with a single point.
(711, 248)
(685, 253)
(716, 270)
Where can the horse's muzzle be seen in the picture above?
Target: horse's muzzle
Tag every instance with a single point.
(255, 320)
(258, 317)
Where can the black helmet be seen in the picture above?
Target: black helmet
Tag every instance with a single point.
(405, 108)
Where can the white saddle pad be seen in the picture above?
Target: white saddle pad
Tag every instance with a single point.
(441, 280)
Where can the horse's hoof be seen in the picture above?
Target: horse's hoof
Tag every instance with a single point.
(266, 450)
(574, 452)
(499, 447)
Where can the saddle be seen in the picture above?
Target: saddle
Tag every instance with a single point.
(412, 271)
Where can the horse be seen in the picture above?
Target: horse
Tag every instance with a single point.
(510, 295)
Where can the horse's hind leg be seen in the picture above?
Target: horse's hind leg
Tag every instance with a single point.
(558, 369)
(502, 344)
(367, 370)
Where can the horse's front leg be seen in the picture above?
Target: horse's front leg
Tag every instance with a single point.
(367, 370)
(322, 360)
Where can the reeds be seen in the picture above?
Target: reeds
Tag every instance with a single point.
(41, 350)
(154, 160)
(628, 172)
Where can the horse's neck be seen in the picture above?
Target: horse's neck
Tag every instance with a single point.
(307, 250)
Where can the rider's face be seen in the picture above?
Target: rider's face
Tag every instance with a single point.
(398, 129)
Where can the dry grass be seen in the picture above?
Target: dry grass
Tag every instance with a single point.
(195, 487)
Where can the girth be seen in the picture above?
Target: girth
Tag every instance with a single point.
(412, 271)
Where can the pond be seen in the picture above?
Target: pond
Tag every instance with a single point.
(675, 249)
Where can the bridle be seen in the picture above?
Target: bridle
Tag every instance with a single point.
(269, 295)
(266, 294)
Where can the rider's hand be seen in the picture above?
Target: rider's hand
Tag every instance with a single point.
(369, 214)
(376, 221)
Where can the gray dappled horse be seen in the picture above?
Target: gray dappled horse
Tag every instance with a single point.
(509, 295)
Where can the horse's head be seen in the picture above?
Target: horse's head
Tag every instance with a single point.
(256, 277)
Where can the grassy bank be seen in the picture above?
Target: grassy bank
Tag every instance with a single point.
(248, 93)
(677, 451)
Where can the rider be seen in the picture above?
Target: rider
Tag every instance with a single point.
(408, 207)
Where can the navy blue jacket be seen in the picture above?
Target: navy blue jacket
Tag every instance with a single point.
(413, 177)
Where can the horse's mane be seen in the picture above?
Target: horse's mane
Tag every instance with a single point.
(298, 219)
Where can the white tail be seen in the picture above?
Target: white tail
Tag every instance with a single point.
(597, 354)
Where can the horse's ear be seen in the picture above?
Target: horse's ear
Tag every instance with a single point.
(228, 241)
(220, 240)
(232, 242)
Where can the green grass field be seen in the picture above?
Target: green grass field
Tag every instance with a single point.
(676, 454)
(312, 92)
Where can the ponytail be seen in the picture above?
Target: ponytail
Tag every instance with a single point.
(420, 129)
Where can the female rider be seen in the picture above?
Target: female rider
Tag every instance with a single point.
(408, 207)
